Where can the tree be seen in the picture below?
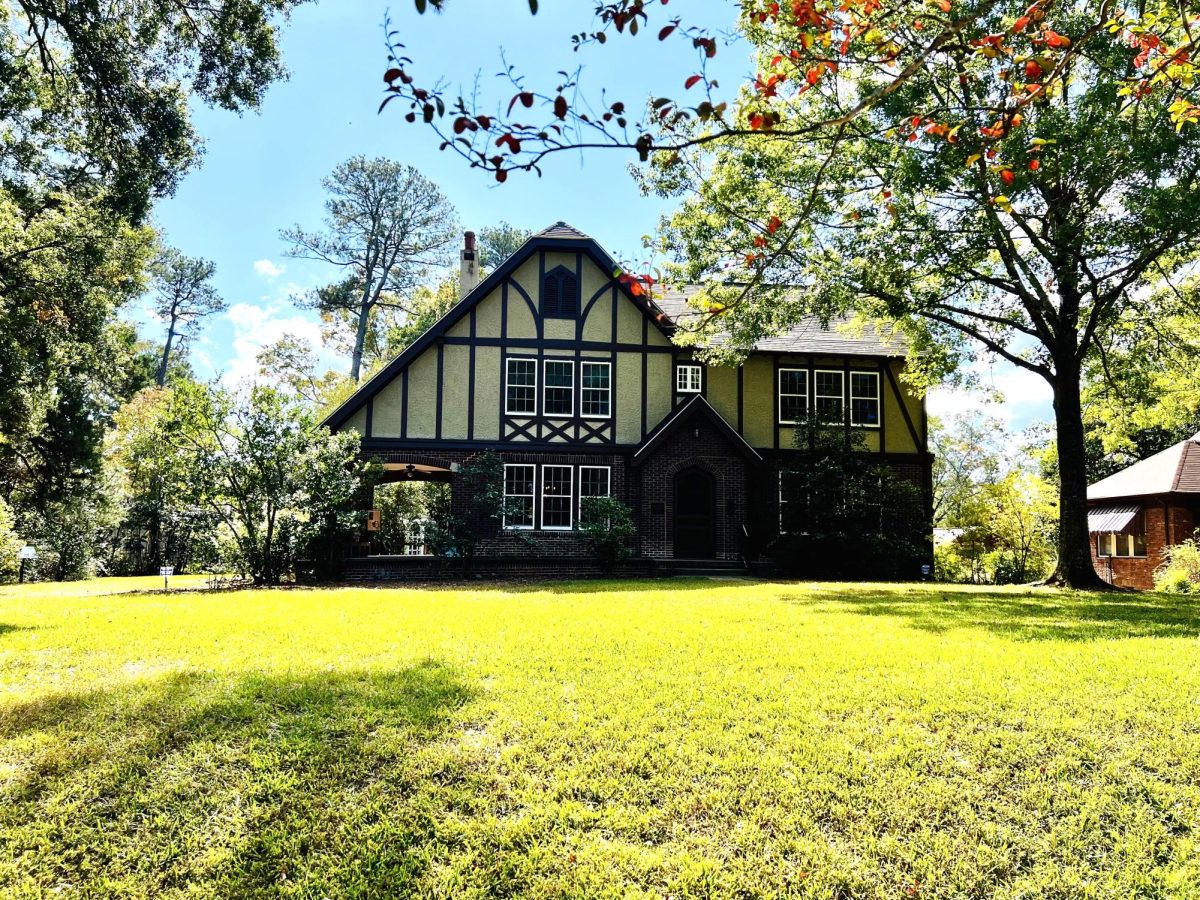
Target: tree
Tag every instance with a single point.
(184, 297)
(498, 242)
(843, 515)
(292, 364)
(607, 525)
(998, 173)
(95, 116)
(260, 465)
(386, 227)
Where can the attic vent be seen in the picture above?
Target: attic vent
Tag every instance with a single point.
(560, 294)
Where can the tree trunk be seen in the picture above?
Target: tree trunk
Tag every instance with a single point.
(166, 357)
(360, 339)
(1075, 568)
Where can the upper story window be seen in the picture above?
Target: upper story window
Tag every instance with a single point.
(520, 389)
(595, 389)
(688, 378)
(559, 388)
(864, 399)
(560, 294)
(793, 395)
(829, 390)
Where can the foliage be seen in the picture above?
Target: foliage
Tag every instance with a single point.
(428, 305)
(496, 243)
(992, 495)
(839, 741)
(607, 525)
(184, 297)
(10, 544)
(456, 535)
(291, 363)
(1142, 392)
(281, 487)
(405, 509)
(844, 515)
(1180, 574)
(386, 226)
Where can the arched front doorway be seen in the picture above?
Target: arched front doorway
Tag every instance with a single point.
(695, 509)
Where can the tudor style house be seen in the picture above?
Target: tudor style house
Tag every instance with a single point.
(574, 381)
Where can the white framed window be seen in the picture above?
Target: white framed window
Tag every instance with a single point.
(520, 386)
(594, 481)
(793, 395)
(595, 389)
(557, 498)
(558, 389)
(829, 393)
(864, 399)
(519, 479)
(1117, 543)
(688, 378)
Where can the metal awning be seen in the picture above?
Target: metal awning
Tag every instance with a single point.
(1112, 516)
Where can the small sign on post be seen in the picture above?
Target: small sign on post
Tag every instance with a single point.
(166, 572)
(26, 552)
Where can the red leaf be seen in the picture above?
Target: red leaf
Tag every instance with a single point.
(1007, 176)
(666, 32)
(773, 224)
(560, 106)
(391, 75)
(501, 175)
(691, 82)
(526, 99)
(1034, 165)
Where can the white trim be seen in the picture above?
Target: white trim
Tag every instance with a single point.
(689, 368)
(570, 497)
(608, 390)
(841, 374)
(507, 371)
(877, 398)
(533, 497)
(779, 394)
(579, 490)
(546, 386)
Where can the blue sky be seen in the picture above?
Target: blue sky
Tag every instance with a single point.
(262, 172)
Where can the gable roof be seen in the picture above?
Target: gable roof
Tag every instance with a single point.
(1175, 470)
(559, 236)
(697, 406)
(808, 335)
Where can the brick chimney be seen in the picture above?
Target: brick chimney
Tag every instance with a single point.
(468, 273)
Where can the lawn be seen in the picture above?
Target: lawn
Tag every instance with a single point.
(660, 739)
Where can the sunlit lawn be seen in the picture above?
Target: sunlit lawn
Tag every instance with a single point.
(665, 739)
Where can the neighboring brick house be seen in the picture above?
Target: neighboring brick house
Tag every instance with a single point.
(1139, 512)
(573, 379)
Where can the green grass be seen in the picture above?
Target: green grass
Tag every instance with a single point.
(670, 739)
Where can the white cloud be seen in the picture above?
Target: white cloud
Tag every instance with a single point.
(1024, 397)
(256, 327)
(268, 269)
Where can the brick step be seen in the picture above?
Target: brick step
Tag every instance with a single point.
(702, 567)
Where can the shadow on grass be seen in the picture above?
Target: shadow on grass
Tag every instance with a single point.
(5, 628)
(1026, 616)
(237, 784)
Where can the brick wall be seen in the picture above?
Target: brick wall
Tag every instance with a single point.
(697, 444)
(1168, 522)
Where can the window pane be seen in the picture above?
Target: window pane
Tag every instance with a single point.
(556, 496)
(864, 398)
(792, 409)
(828, 390)
(687, 379)
(594, 397)
(1139, 544)
(521, 391)
(864, 412)
(793, 381)
(593, 481)
(518, 496)
(559, 381)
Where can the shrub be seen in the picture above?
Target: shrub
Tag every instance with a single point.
(607, 524)
(1180, 574)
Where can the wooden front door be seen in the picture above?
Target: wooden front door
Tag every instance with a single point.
(695, 515)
